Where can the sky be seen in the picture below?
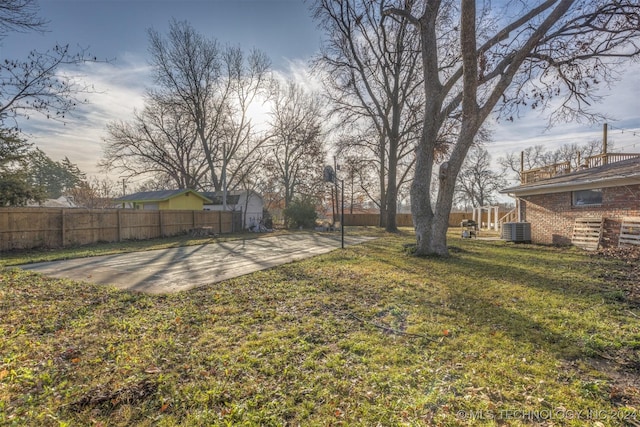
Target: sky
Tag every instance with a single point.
(116, 30)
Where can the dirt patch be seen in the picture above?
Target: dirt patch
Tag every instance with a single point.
(624, 376)
(624, 274)
(621, 366)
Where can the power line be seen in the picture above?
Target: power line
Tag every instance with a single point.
(545, 141)
(629, 145)
(633, 132)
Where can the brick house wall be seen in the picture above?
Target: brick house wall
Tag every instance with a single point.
(552, 215)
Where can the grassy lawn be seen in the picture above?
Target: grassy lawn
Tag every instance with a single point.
(496, 334)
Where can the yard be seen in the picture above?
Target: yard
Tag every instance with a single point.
(496, 334)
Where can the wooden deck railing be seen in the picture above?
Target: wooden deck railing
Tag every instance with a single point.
(546, 172)
(603, 159)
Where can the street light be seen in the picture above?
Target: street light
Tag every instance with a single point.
(329, 175)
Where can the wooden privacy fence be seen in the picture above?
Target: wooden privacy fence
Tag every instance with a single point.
(373, 220)
(402, 220)
(25, 228)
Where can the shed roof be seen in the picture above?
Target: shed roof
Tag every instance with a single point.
(158, 196)
(625, 172)
(233, 197)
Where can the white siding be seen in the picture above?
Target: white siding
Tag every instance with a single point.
(252, 211)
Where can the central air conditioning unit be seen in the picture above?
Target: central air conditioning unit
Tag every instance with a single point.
(517, 232)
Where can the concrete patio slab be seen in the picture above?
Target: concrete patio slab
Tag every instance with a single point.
(178, 269)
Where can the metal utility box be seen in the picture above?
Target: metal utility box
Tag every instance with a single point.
(517, 232)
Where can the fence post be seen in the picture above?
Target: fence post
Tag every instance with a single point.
(161, 224)
(63, 227)
(119, 225)
(219, 222)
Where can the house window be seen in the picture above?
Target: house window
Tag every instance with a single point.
(587, 197)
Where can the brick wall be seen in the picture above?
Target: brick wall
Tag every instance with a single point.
(552, 216)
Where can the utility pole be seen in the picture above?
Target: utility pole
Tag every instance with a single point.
(604, 144)
(124, 191)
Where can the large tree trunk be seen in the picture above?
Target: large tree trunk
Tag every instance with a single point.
(391, 222)
(539, 29)
(392, 177)
(438, 222)
(392, 188)
(382, 181)
(421, 207)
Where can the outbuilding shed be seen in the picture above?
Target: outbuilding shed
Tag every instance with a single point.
(249, 203)
(182, 199)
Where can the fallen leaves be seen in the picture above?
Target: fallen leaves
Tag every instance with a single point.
(128, 394)
(313, 343)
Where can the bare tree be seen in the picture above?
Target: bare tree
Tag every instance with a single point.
(94, 193)
(159, 140)
(188, 67)
(371, 66)
(297, 152)
(356, 180)
(38, 84)
(240, 141)
(552, 50)
(359, 159)
(537, 156)
(20, 16)
(478, 182)
(215, 86)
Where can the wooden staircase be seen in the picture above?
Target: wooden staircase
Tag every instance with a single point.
(511, 216)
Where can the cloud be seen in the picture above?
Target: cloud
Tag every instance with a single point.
(299, 71)
(620, 103)
(118, 89)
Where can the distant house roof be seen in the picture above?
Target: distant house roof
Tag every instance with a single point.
(626, 172)
(158, 196)
(233, 197)
(60, 202)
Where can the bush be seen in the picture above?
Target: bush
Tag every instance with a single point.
(267, 219)
(301, 212)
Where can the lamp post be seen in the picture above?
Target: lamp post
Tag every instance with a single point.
(330, 176)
